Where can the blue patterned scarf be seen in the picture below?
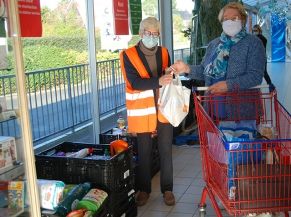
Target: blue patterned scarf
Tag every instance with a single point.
(217, 66)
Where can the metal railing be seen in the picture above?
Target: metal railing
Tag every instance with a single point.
(60, 98)
(182, 54)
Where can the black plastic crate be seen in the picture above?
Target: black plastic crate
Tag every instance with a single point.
(109, 136)
(110, 175)
(132, 210)
(116, 198)
(122, 203)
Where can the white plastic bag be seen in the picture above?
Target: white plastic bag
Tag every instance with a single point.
(174, 101)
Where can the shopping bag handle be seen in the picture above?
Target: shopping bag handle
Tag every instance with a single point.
(206, 87)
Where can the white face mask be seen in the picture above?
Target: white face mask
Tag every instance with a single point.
(150, 41)
(231, 27)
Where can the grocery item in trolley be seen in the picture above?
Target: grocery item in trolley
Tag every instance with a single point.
(236, 152)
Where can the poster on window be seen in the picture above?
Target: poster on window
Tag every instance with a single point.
(109, 40)
(120, 14)
(135, 15)
(288, 41)
(278, 38)
(29, 18)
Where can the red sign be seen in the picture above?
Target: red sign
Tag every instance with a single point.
(30, 18)
(120, 13)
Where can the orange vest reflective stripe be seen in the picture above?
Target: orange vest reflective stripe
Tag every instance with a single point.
(141, 109)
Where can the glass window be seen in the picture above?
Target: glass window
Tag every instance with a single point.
(18, 192)
(182, 21)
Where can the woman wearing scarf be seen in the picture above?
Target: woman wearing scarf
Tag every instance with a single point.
(235, 60)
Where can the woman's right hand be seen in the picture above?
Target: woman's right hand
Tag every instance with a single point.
(180, 67)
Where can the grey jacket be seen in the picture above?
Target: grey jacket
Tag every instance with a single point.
(246, 63)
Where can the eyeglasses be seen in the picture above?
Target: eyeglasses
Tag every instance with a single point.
(149, 33)
(236, 18)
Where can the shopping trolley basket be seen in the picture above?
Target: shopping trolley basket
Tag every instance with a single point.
(248, 170)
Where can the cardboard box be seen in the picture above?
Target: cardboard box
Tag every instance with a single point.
(264, 186)
(16, 194)
(8, 153)
(3, 194)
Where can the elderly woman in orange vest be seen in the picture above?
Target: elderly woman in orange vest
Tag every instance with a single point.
(143, 67)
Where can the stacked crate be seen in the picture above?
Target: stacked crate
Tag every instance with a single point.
(110, 136)
(112, 174)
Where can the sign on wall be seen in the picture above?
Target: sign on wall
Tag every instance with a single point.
(135, 15)
(110, 41)
(120, 13)
(278, 38)
(30, 18)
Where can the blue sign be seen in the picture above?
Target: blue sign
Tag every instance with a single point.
(278, 38)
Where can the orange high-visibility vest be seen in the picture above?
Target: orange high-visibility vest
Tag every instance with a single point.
(141, 109)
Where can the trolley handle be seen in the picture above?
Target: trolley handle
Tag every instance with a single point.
(206, 87)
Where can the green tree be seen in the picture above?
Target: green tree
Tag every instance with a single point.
(150, 8)
(178, 27)
(65, 20)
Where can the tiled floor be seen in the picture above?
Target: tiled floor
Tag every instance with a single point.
(188, 184)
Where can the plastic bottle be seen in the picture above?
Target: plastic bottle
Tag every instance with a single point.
(106, 154)
(80, 154)
(73, 197)
(121, 123)
(92, 200)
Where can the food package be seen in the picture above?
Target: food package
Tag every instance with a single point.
(50, 193)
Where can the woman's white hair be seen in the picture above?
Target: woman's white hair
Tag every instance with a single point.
(239, 7)
(149, 23)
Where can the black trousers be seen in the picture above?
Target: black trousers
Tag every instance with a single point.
(144, 140)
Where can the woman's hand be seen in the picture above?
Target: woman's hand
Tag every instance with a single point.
(219, 87)
(165, 79)
(180, 67)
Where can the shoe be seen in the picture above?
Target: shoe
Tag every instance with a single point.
(169, 198)
(141, 198)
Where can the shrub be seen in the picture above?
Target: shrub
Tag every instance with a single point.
(69, 43)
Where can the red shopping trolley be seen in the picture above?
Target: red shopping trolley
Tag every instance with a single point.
(250, 173)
